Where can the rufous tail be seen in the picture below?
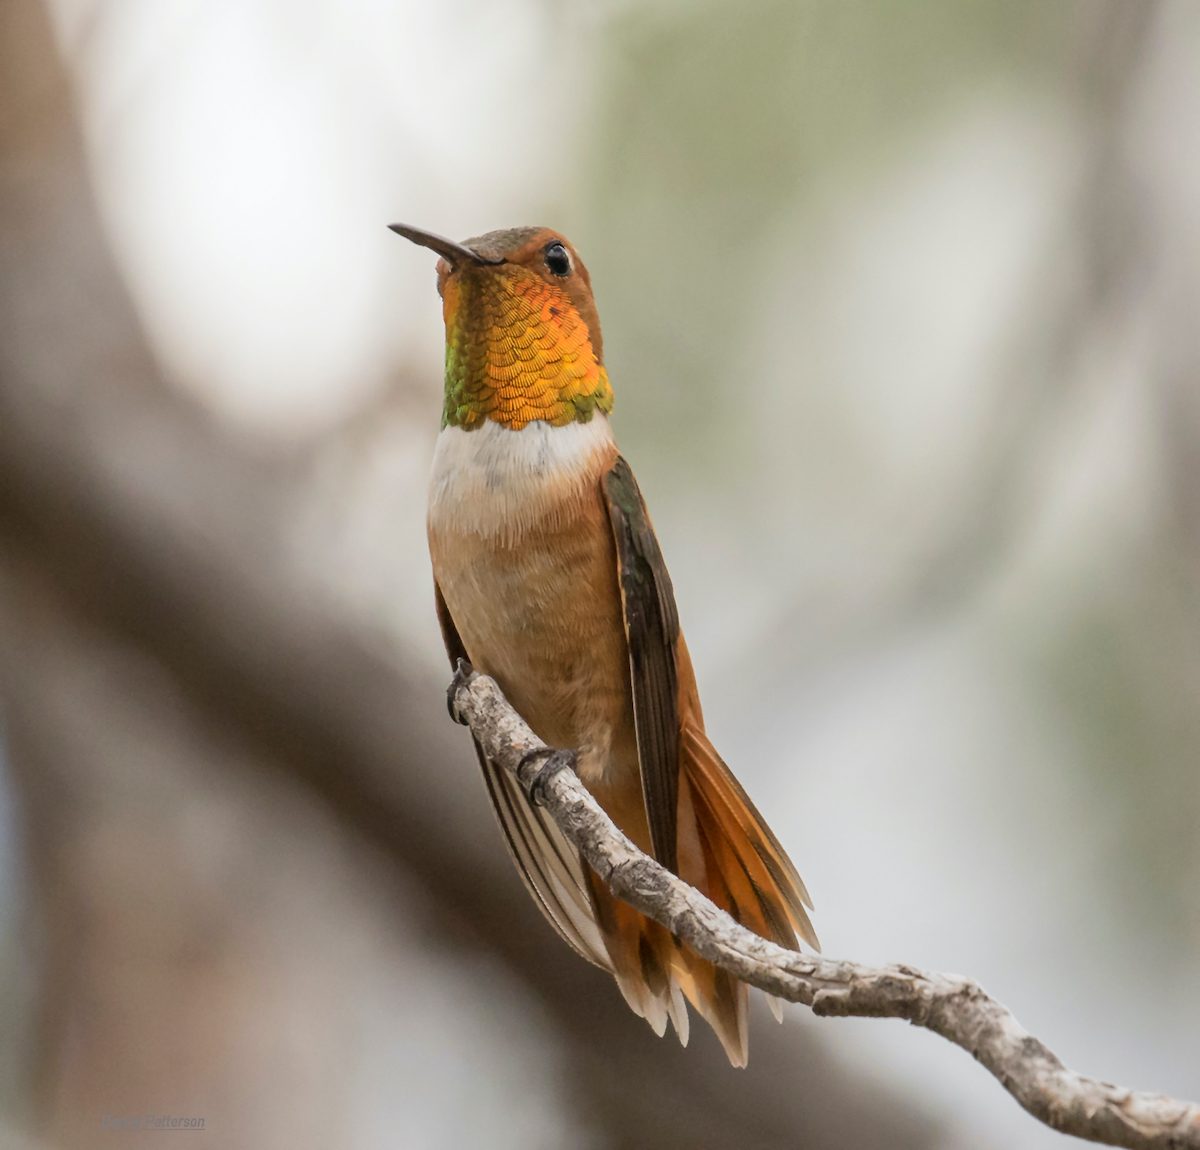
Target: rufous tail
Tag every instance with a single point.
(728, 852)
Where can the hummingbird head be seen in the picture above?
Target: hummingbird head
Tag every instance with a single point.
(522, 334)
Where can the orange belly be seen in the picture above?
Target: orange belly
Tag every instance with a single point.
(542, 615)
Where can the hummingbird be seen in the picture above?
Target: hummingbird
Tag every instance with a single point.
(548, 577)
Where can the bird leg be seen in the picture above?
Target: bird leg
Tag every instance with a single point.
(556, 760)
(462, 676)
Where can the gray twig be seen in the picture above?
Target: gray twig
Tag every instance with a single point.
(956, 1008)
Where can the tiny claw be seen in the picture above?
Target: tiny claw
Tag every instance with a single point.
(462, 676)
(556, 760)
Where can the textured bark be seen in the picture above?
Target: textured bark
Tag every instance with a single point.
(955, 1007)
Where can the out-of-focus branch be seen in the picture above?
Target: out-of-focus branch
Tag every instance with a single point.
(956, 1008)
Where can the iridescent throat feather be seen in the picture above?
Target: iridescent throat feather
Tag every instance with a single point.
(517, 351)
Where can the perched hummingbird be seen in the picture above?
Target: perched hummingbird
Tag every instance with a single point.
(549, 578)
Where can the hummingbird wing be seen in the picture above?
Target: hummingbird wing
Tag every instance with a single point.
(652, 633)
(550, 866)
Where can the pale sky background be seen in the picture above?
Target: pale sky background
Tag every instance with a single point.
(832, 252)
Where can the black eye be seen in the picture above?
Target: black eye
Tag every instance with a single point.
(558, 259)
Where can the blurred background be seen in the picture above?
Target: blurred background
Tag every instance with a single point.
(900, 306)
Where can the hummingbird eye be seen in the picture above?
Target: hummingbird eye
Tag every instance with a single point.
(558, 259)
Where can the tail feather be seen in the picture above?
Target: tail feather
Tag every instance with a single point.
(642, 957)
(750, 844)
(732, 856)
(719, 998)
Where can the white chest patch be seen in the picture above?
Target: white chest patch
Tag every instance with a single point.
(497, 482)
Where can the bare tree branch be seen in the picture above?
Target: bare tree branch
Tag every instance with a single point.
(955, 1007)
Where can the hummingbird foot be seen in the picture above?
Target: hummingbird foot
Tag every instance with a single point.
(462, 675)
(556, 760)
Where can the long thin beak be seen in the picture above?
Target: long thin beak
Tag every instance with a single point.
(447, 249)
